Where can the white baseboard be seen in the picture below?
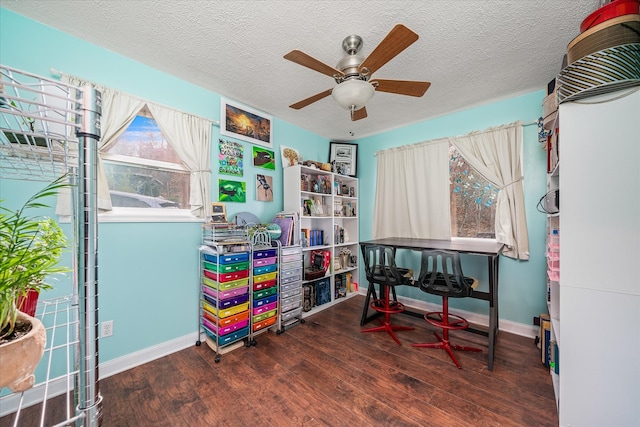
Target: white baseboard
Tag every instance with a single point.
(529, 331)
(10, 403)
(56, 387)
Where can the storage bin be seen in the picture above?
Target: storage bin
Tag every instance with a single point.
(291, 314)
(227, 258)
(288, 286)
(227, 339)
(264, 277)
(265, 269)
(291, 292)
(265, 292)
(226, 277)
(264, 285)
(225, 294)
(257, 262)
(294, 258)
(291, 303)
(224, 330)
(226, 285)
(224, 321)
(227, 303)
(264, 324)
(263, 316)
(265, 253)
(296, 271)
(225, 312)
(226, 268)
(264, 308)
(290, 279)
(288, 250)
(265, 301)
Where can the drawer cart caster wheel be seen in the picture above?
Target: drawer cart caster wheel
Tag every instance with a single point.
(278, 332)
(302, 321)
(254, 343)
(217, 358)
(198, 343)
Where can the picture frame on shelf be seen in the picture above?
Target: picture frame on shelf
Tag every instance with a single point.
(218, 213)
(343, 157)
(245, 123)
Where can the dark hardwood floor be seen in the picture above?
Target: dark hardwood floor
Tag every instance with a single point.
(325, 372)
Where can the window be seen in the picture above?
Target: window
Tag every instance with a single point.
(143, 170)
(473, 200)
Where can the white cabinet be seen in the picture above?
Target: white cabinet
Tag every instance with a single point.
(599, 294)
(328, 206)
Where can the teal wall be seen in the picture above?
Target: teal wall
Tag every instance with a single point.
(522, 283)
(149, 271)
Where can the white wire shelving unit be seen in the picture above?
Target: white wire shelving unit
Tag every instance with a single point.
(49, 129)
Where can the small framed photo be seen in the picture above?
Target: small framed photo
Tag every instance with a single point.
(218, 213)
(247, 124)
(343, 157)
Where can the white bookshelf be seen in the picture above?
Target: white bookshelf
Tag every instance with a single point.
(333, 215)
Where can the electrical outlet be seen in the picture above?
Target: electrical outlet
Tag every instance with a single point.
(107, 329)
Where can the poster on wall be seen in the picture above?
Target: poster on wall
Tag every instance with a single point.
(232, 191)
(230, 157)
(247, 124)
(264, 188)
(263, 158)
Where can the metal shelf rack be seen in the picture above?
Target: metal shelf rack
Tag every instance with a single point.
(48, 129)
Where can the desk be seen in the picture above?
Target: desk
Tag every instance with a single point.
(491, 250)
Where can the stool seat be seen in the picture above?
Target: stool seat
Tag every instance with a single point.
(381, 269)
(441, 274)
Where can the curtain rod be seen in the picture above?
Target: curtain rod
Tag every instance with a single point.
(60, 74)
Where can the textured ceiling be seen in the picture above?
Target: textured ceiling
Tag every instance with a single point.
(472, 51)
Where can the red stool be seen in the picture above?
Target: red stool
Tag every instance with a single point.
(380, 268)
(441, 274)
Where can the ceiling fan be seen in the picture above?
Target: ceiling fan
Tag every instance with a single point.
(353, 73)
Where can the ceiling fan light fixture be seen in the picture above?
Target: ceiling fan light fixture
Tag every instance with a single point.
(353, 94)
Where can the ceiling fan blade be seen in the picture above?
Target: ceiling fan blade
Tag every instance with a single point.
(402, 87)
(300, 104)
(299, 57)
(358, 114)
(398, 39)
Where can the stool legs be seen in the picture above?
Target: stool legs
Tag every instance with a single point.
(446, 325)
(387, 308)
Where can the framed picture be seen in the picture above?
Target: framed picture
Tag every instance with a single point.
(290, 156)
(263, 158)
(218, 212)
(232, 191)
(343, 157)
(239, 121)
(264, 188)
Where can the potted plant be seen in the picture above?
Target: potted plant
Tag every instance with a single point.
(30, 248)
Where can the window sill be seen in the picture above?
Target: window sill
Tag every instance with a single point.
(143, 215)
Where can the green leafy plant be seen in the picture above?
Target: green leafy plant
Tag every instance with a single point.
(30, 248)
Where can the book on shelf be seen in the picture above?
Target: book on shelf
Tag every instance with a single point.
(289, 223)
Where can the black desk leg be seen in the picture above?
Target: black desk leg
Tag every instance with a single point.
(493, 308)
(371, 290)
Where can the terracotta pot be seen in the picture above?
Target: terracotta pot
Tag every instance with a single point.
(19, 358)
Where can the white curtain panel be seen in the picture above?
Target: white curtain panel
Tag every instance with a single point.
(190, 136)
(496, 154)
(412, 192)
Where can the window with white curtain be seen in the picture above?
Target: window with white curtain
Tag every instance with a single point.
(143, 170)
(472, 200)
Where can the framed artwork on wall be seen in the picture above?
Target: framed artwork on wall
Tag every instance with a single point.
(264, 188)
(343, 157)
(263, 158)
(232, 191)
(218, 213)
(247, 124)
